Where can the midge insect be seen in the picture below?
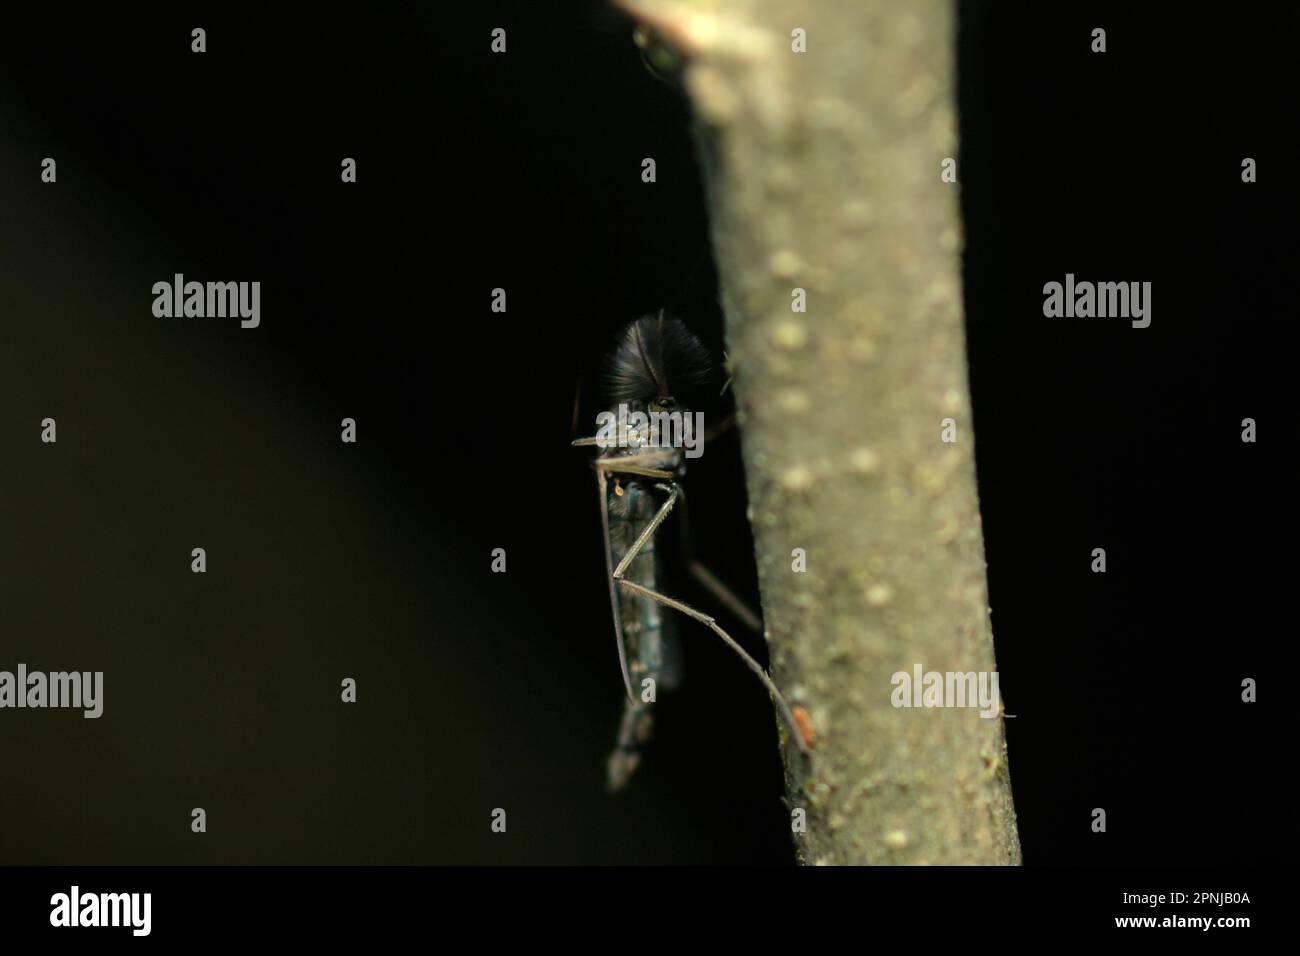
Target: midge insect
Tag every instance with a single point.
(657, 361)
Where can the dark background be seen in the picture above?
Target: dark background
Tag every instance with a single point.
(522, 171)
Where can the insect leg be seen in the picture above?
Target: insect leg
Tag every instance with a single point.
(714, 432)
(577, 406)
(752, 664)
(617, 578)
(661, 515)
(613, 593)
(723, 594)
(638, 464)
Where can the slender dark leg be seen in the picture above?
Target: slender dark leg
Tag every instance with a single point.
(723, 594)
(674, 493)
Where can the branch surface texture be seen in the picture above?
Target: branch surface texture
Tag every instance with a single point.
(823, 172)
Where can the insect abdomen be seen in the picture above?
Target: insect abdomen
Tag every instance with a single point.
(630, 513)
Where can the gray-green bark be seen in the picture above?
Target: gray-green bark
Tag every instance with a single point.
(825, 176)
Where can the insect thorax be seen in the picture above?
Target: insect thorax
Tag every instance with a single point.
(652, 434)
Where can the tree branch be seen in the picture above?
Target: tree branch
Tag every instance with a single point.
(824, 175)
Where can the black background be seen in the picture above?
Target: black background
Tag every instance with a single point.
(372, 560)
